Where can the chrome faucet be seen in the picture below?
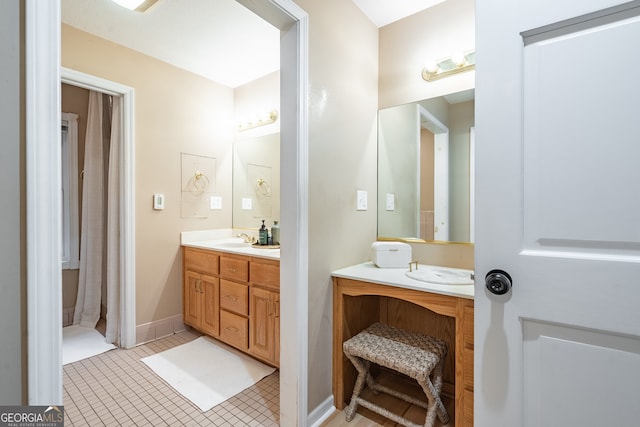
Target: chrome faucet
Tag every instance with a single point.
(247, 238)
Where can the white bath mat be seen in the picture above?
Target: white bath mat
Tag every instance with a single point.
(207, 372)
(79, 342)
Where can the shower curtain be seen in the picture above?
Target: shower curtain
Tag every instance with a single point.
(100, 242)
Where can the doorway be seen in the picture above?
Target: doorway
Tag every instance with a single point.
(127, 185)
(42, 118)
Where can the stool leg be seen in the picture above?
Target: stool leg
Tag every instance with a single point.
(371, 382)
(362, 366)
(432, 390)
(437, 376)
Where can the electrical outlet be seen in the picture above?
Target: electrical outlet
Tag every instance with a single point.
(247, 203)
(361, 197)
(215, 202)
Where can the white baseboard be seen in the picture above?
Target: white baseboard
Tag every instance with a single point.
(157, 329)
(321, 412)
(144, 333)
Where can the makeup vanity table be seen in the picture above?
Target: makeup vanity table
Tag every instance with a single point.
(364, 294)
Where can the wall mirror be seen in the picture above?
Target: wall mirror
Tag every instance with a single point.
(256, 181)
(425, 170)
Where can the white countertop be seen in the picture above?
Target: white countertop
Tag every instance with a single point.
(222, 241)
(369, 272)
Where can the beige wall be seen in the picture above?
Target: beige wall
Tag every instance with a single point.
(343, 58)
(405, 46)
(175, 112)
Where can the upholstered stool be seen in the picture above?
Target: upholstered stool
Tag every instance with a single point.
(418, 356)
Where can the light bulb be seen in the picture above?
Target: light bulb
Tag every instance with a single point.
(458, 59)
(431, 67)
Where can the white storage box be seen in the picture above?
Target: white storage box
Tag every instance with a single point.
(391, 254)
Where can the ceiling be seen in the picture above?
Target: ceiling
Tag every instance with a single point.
(383, 12)
(218, 39)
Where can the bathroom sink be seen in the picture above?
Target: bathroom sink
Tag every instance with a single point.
(232, 245)
(441, 276)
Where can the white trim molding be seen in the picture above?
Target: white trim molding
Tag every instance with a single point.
(127, 191)
(293, 23)
(44, 278)
(322, 412)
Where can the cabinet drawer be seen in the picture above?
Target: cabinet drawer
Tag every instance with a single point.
(234, 268)
(201, 261)
(266, 273)
(234, 329)
(234, 297)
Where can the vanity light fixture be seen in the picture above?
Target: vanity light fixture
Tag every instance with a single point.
(137, 5)
(454, 64)
(265, 119)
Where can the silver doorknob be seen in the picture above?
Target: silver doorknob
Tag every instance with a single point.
(498, 282)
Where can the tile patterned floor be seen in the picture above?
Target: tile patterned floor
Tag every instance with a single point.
(116, 389)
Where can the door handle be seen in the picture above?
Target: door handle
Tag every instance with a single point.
(498, 282)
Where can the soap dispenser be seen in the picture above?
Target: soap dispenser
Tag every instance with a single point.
(263, 234)
(275, 233)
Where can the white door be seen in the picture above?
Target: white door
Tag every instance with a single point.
(558, 209)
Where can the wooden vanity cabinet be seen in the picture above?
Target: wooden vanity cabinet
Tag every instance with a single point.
(201, 291)
(234, 298)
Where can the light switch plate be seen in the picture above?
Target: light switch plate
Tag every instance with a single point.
(215, 202)
(247, 203)
(158, 202)
(361, 203)
(391, 202)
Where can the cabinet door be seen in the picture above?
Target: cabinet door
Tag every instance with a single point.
(210, 305)
(276, 334)
(262, 328)
(192, 299)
